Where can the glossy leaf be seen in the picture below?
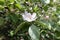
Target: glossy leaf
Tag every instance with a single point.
(34, 32)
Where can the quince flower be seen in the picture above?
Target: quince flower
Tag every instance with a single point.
(29, 17)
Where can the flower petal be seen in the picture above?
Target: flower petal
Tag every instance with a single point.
(33, 15)
(29, 17)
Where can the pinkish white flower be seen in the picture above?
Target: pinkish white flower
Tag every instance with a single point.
(47, 17)
(29, 17)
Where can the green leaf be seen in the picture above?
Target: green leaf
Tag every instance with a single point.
(58, 22)
(1, 21)
(58, 29)
(49, 26)
(20, 7)
(45, 25)
(36, 8)
(2, 2)
(11, 1)
(22, 26)
(1, 7)
(45, 8)
(19, 27)
(13, 17)
(34, 32)
(57, 34)
(11, 33)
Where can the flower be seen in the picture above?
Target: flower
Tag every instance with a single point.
(29, 17)
(47, 17)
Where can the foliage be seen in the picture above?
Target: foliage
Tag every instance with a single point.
(13, 25)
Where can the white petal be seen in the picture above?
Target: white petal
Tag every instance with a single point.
(29, 20)
(26, 12)
(33, 15)
(25, 17)
(28, 17)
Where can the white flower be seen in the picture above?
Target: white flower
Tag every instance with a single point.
(29, 17)
(47, 17)
(45, 1)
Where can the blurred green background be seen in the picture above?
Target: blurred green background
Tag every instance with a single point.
(45, 27)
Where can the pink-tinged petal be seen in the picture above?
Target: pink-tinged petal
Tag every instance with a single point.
(34, 19)
(33, 15)
(25, 12)
(25, 17)
(29, 17)
(29, 20)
